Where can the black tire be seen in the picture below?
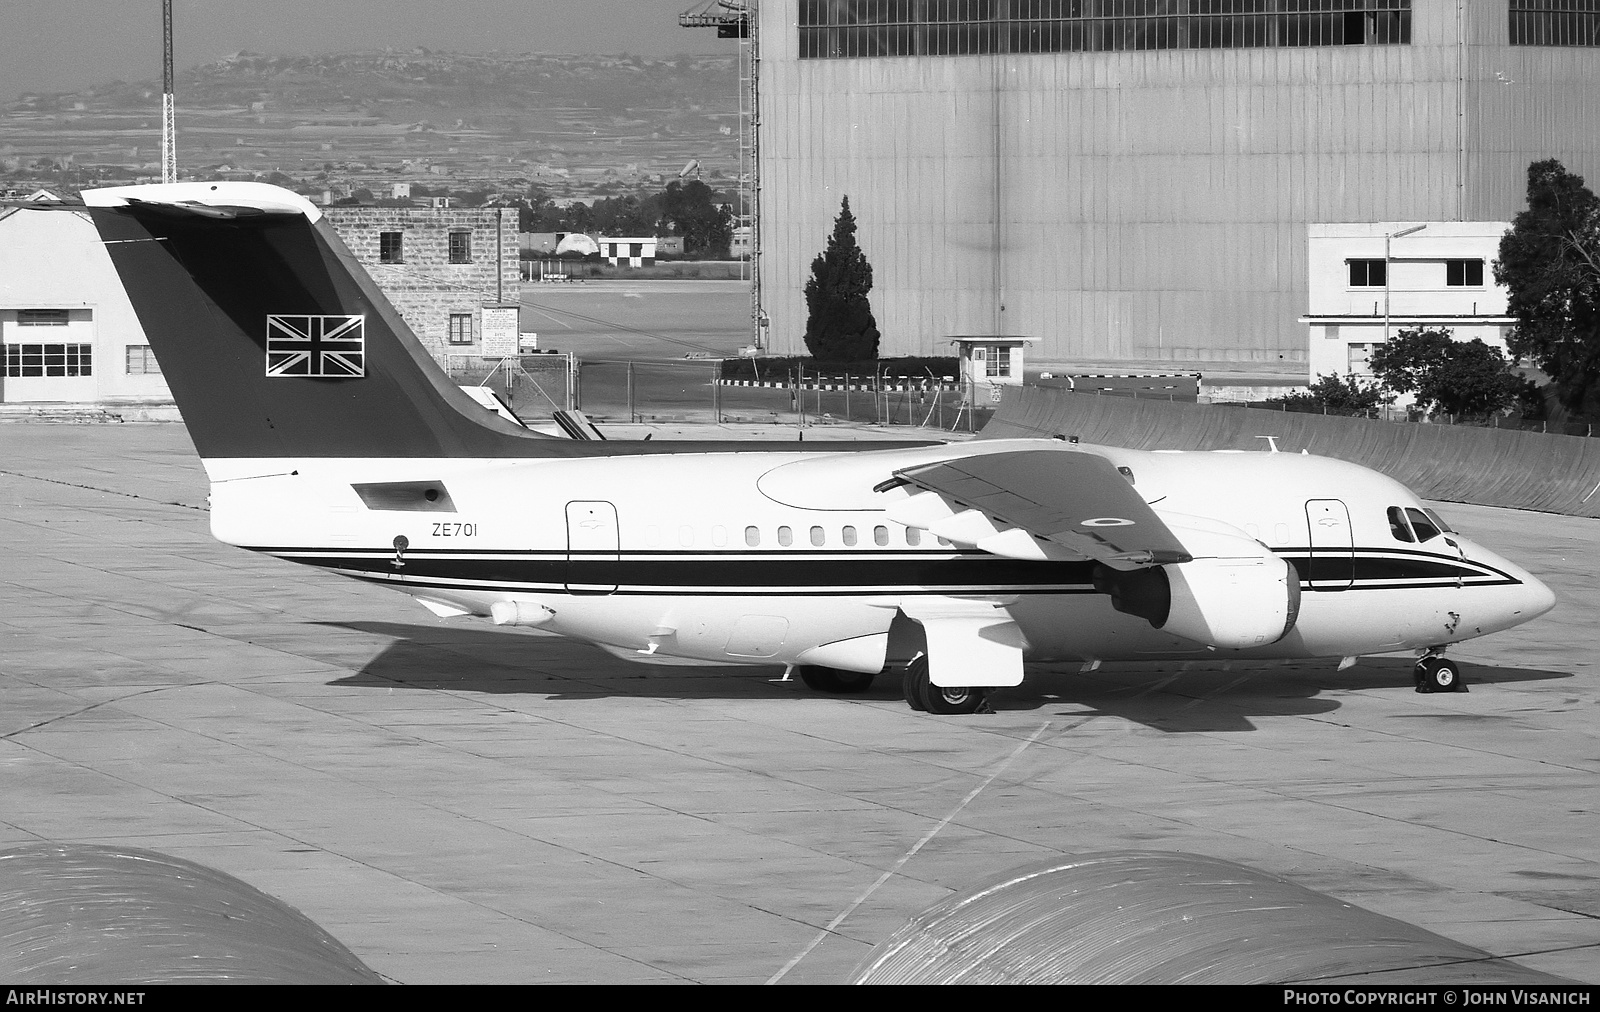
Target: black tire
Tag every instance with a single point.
(835, 680)
(952, 699)
(1443, 676)
(1438, 674)
(915, 682)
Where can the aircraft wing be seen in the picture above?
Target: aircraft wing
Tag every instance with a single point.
(1037, 504)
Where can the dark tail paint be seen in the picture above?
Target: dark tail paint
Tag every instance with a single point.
(203, 288)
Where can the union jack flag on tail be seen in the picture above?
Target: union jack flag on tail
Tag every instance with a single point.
(328, 347)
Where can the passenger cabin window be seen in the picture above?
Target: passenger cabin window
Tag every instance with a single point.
(817, 537)
(880, 536)
(785, 537)
(752, 537)
(913, 536)
(849, 537)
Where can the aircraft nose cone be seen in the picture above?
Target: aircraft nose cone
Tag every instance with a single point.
(1540, 598)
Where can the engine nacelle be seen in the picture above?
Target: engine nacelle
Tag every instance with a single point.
(1233, 603)
(1228, 602)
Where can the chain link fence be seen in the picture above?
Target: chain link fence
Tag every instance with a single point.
(691, 391)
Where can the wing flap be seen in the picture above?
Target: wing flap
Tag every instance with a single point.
(1061, 500)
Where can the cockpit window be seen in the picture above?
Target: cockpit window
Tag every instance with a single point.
(1398, 526)
(1438, 521)
(1425, 529)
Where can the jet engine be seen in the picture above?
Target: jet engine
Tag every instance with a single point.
(1236, 593)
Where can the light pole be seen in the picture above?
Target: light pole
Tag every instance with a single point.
(1387, 238)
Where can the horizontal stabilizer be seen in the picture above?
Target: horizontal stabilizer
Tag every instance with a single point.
(576, 425)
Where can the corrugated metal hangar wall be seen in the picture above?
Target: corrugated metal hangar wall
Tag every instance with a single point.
(1140, 207)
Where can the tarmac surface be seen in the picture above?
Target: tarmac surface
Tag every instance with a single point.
(460, 803)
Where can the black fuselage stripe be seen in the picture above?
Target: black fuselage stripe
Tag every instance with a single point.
(792, 572)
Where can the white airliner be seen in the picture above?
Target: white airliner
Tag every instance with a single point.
(332, 439)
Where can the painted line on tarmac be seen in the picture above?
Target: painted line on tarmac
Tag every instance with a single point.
(907, 856)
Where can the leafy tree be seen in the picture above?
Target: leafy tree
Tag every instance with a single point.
(1349, 393)
(1550, 262)
(1401, 362)
(839, 322)
(1448, 376)
(693, 211)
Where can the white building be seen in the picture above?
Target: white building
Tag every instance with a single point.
(1368, 281)
(67, 329)
(630, 251)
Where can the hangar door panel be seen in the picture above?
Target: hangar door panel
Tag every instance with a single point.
(593, 547)
(1333, 551)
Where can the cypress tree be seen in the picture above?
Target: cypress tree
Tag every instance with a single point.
(839, 322)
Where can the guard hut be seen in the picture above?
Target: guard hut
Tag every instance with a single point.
(990, 359)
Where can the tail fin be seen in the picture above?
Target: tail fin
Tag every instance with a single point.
(274, 341)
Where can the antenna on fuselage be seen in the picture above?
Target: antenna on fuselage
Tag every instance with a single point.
(1272, 441)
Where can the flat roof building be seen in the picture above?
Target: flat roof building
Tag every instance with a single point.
(1131, 181)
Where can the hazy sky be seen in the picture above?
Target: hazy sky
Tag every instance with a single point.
(63, 45)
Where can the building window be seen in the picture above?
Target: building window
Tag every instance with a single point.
(1555, 22)
(1002, 362)
(1368, 273)
(1463, 273)
(843, 29)
(461, 247)
(142, 361)
(460, 328)
(1360, 360)
(391, 248)
(48, 360)
(41, 317)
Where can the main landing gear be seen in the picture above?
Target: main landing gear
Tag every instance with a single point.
(922, 694)
(1435, 673)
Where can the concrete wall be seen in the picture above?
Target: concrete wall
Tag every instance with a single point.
(1144, 207)
(427, 288)
(1456, 463)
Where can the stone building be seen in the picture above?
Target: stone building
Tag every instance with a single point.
(439, 266)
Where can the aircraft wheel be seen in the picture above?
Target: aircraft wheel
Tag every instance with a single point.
(835, 680)
(953, 698)
(1438, 674)
(915, 682)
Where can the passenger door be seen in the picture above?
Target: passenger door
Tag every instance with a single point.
(1333, 554)
(593, 548)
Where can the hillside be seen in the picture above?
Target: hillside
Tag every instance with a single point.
(569, 123)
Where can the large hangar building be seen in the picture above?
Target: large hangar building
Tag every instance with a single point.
(1130, 182)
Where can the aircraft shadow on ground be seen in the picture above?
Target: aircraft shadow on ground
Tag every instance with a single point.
(1175, 696)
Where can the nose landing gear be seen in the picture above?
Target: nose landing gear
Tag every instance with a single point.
(1435, 673)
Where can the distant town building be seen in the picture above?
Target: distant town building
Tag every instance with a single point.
(438, 266)
(67, 330)
(1368, 281)
(629, 251)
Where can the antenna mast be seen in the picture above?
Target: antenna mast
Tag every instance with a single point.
(169, 126)
(740, 19)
